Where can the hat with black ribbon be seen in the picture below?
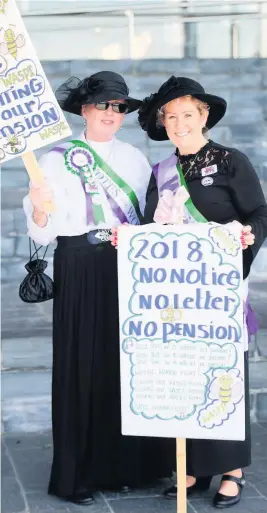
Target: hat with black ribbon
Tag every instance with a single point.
(100, 87)
(177, 87)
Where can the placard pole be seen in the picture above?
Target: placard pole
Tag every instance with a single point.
(36, 176)
(181, 475)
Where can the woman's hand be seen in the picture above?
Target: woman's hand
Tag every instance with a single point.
(247, 237)
(114, 237)
(40, 194)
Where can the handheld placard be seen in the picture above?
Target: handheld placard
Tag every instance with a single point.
(30, 116)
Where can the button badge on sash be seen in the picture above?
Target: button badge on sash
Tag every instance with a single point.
(207, 181)
(210, 170)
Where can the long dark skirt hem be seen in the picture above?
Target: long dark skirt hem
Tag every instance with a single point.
(89, 450)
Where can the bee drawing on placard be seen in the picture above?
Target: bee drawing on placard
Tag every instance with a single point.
(11, 43)
(171, 314)
(15, 144)
(3, 6)
(226, 387)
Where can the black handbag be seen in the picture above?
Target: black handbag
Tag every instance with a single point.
(37, 286)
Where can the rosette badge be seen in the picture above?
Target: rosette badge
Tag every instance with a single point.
(77, 159)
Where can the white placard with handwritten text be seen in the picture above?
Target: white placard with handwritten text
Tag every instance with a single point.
(30, 116)
(181, 330)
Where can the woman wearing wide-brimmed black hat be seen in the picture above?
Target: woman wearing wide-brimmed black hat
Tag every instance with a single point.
(96, 182)
(223, 187)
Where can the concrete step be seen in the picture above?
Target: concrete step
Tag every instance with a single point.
(26, 401)
(26, 382)
(33, 353)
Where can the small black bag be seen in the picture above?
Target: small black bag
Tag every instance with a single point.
(36, 286)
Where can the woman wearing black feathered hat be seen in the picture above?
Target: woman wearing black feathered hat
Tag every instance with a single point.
(96, 182)
(223, 187)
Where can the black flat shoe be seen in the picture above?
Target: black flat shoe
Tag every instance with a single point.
(85, 499)
(201, 484)
(226, 501)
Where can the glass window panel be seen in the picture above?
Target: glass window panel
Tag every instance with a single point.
(248, 38)
(158, 37)
(214, 39)
(92, 37)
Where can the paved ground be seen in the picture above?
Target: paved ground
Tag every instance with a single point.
(25, 469)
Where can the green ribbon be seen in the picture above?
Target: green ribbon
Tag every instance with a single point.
(114, 177)
(199, 218)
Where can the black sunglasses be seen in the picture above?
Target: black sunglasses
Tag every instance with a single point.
(120, 108)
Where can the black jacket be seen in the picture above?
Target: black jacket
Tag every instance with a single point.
(235, 193)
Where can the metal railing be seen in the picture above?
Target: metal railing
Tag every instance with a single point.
(189, 9)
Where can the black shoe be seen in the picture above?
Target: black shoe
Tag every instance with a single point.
(83, 499)
(201, 484)
(225, 501)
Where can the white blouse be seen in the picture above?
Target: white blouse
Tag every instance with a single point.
(69, 217)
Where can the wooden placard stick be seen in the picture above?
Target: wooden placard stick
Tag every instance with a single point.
(177, 218)
(181, 475)
(36, 176)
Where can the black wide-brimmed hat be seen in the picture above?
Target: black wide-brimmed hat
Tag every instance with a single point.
(176, 87)
(100, 87)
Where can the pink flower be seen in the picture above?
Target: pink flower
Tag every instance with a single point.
(163, 212)
(170, 208)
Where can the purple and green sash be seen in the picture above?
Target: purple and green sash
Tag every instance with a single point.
(98, 177)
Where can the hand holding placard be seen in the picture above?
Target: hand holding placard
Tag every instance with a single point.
(42, 199)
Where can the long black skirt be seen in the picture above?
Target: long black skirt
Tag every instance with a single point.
(212, 457)
(89, 450)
